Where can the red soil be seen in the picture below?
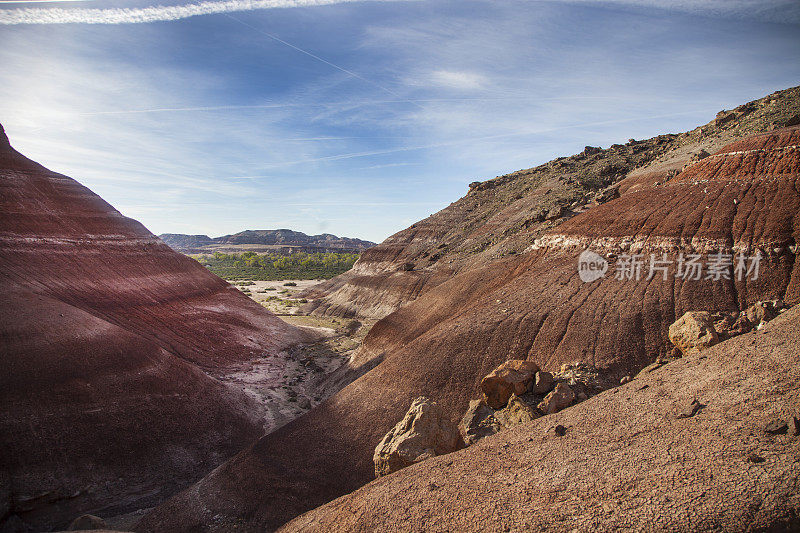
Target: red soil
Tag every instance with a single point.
(104, 331)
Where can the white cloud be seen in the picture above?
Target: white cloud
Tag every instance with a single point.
(152, 13)
(781, 11)
(459, 79)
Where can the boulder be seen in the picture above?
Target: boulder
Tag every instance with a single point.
(543, 383)
(556, 212)
(87, 522)
(512, 377)
(729, 325)
(561, 397)
(515, 413)
(424, 432)
(607, 194)
(478, 422)
(693, 332)
(761, 312)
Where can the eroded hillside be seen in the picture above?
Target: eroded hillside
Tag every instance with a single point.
(532, 304)
(112, 343)
(505, 215)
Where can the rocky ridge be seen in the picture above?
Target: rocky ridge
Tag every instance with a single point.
(505, 215)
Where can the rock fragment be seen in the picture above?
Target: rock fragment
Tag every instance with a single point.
(512, 377)
(776, 427)
(424, 432)
(478, 422)
(691, 410)
(561, 397)
(517, 412)
(693, 331)
(543, 383)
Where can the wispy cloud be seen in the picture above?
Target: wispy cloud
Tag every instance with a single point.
(459, 79)
(780, 11)
(152, 13)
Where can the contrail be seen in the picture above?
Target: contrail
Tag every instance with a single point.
(153, 13)
(325, 61)
(2, 2)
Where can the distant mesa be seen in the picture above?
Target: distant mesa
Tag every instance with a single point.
(264, 240)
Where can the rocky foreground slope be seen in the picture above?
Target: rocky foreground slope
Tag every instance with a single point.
(630, 458)
(744, 201)
(109, 343)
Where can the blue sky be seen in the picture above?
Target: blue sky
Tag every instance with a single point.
(359, 118)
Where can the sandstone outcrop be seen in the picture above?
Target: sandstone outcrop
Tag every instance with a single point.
(515, 376)
(478, 422)
(635, 466)
(531, 303)
(544, 382)
(424, 432)
(111, 343)
(515, 413)
(693, 331)
(559, 398)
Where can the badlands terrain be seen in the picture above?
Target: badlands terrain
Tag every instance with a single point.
(643, 402)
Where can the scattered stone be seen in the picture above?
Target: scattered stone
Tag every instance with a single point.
(561, 397)
(761, 312)
(544, 382)
(560, 430)
(424, 432)
(672, 354)
(692, 332)
(792, 121)
(691, 410)
(512, 377)
(753, 458)
(624, 379)
(796, 428)
(478, 422)
(776, 427)
(652, 367)
(723, 117)
(607, 194)
(517, 412)
(583, 376)
(702, 154)
(556, 212)
(589, 150)
(582, 396)
(87, 522)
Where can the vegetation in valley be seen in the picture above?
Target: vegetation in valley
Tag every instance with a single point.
(272, 267)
